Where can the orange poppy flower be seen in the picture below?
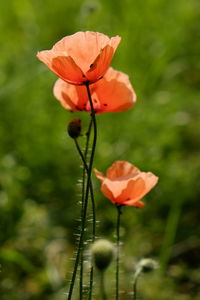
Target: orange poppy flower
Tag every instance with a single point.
(81, 57)
(113, 93)
(125, 184)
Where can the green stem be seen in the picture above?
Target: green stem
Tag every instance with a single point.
(93, 118)
(77, 258)
(88, 139)
(119, 212)
(91, 189)
(84, 157)
(136, 276)
(84, 160)
(102, 286)
(90, 184)
(81, 277)
(80, 245)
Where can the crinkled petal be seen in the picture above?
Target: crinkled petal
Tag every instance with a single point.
(101, 64)
(115, 92)
(61, 93)
(125, 184)
(116, 186)
(46, 57)
(134, 191)
(121, 169)
(137, 189)
(136, 203)
(83, 52)
(107, 192)
(99, 175)
(84, 47)
(150, 180)
(71, 97)
(66, 68)
(63, 66)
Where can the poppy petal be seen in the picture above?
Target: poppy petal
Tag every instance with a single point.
(115, 92)
(66, 68)
(138, 189)
(120, 169)
(69, 95)
(63, 66)
(125, 184)
(72, 57)
(136, 203)
(150, 180)
(107, 193)
(80, 44)
(116, 186)
(100, 65)
(99, 175)
(133, 191)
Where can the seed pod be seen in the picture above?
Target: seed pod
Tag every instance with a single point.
(102, 253)
(147, 265)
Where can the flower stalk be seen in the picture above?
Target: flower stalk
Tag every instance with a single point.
(88, 189)
(102, 286)
(84, 160)
(119, 212)
(83, 157)
(135, 279)
(93, 118)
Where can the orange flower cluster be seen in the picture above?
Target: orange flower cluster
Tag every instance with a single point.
(84, 58)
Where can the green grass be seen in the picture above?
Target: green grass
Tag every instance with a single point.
(39, 168)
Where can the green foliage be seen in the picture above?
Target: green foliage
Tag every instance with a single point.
(39, 167)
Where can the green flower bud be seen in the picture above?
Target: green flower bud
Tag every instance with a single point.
(102, 253)
(74, 128)
(147, 265)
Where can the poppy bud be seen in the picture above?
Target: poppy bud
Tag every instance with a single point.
(147, 265)
(102, 253)
(74, 128)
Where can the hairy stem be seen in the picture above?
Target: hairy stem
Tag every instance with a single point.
(85, 205)
(85, 169)
(119, 212)
(93, 118)
(84, 211)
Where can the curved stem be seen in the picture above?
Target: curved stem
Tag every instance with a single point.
(91, 188)
(80, 245)
(119, 212)
(93, 118)
(87, 170)
(81, 155)
(83, 214)
(84, 160)
(137, 274)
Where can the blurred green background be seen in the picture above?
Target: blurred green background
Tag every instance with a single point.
(39, 167)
